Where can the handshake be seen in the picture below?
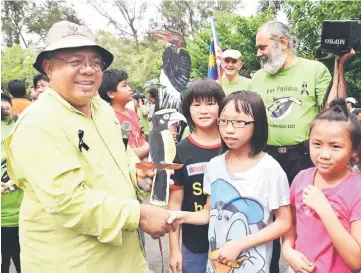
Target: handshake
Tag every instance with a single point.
(157, 221)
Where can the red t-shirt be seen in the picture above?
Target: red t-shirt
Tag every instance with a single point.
(136, 138)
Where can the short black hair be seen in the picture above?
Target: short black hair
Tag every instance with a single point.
(17, 88)
(338, 112)
(139, 97)
(40, 77)
(200, 90)
(110, 81)
(5, 97)
(251, 104)
(153, 92)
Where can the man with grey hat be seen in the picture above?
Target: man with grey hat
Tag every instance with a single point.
(80, 211)
(231, 81)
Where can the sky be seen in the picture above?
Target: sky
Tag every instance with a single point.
(96, 21)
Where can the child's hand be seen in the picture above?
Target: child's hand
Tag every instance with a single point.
(228, 253)
(176, 216)
(175, 261)
(314, 198)
(298, 261)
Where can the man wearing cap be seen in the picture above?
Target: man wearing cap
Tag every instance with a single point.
(351, 104)
(231, 81)
(293, 89)
(80, 211)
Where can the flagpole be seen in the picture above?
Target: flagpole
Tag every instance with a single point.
(214, 35)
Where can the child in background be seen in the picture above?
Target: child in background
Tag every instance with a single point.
(142, 111)
(326, 199)
(11, 198)
(200, 107)
(246, 188)
(17, 90)
(115, 90)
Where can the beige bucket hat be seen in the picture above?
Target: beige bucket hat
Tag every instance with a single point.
(66, 34)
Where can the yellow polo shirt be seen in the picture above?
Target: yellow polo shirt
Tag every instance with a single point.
(80, 212)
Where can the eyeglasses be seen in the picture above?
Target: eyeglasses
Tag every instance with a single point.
(230, 60)
(235, 123)
(81, 64)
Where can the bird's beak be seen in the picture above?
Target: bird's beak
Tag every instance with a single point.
(175, 117)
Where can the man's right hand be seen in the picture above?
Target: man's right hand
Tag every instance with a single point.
(175, 261)
(298, 262)
(153, 220)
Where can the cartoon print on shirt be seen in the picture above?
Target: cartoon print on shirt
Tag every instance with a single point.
(281, 107)
(233, 217)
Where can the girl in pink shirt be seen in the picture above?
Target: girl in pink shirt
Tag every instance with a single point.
(326, 200)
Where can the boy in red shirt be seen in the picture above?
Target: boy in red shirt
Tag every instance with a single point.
(116, 91)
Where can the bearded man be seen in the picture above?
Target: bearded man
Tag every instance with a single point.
(294, 90)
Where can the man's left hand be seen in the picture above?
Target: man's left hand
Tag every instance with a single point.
(345, 57)
(145, 179)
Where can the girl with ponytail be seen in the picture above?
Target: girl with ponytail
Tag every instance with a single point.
(326, 199)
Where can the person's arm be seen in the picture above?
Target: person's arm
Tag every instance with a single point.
(58, 181)
(348, 245)
(145, 110)
(297, 260)
(142, 151)
(339, 88)
(175, 256)
(194, 218)
(231, 250)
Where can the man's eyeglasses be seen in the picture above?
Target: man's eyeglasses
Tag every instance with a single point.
(230, 60)
(235, 123)
(95, 64)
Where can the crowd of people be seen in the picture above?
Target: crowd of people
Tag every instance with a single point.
(268, 157)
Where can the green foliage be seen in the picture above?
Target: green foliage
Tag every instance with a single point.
(307, 17)
(17, 63)
(43, 16)
(36, 17)
(234, 32)
(141, 64)
(13, 14)
(188, 17)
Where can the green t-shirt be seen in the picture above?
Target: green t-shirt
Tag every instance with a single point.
(292, 97)
(10, 204)
(144, 124)
(241, 84)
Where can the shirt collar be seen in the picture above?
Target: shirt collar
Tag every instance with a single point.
(94, 102)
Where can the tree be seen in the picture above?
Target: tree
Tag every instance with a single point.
(17, 63)
(21, 17)
(44, 15)
(132, 13)
(186, 17)
(141, 65)
(273, 5)
(13, 14)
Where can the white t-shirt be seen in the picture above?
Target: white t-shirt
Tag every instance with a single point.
(242, 204)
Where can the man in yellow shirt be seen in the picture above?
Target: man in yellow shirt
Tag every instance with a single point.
(80, 211)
